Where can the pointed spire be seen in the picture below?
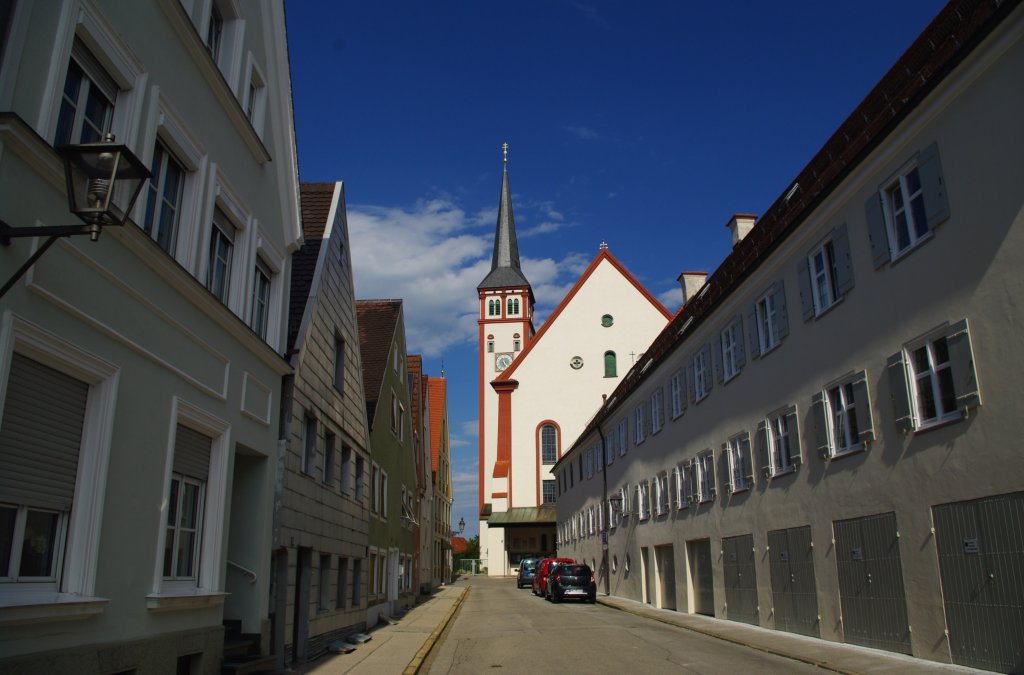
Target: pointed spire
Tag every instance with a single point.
(505, 270)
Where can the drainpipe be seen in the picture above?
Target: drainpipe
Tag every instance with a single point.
(605, 514)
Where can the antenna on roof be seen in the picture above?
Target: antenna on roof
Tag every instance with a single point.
(504, 152)
(442, 368)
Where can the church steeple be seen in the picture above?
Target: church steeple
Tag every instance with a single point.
(505, 271)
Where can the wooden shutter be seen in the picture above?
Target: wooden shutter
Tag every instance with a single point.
(192, 453)
(877, 234)
(708, 379)
(725, 459)
(755, 342)
(684, 399)
(819, 411)
(862, 404)
(900, 392)
(793, 427)
(717, 357)
(40, 436)
(711, 470)
(843, 263)
(961, 361)
(803, 277)
(691, 390)
(781, 313)
(933, 187)
(748, 460)
(741, 354)
(691, 480)
(763, 448)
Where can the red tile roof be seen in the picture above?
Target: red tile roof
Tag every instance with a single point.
(437, 391)
(459, 545)
(378, 322)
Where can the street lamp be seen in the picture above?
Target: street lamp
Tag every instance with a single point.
(462, 525)
(103, 182)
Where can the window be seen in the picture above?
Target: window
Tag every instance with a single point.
(342, 583)
(329, 458)
(185, 504)
(609, 448)
(513, 306)
(907, 208)
(324, 583)
(623, 446)
(700, 366)
(548, 492)
(374, 488)
(494, 308)
(741, 471)
(704, 476)
(842, 417)
(222, 242)
(610, 368)
(163, 203)
(339, 365)
(826, 275)
(255, 95)
(933, 380)
(346, 469)
(87, 104)
(644, 500)
(360, 479)
(261, 298)
(657, 410)
(680, 487)
(215, 33)
(768, 320)
(607, 320)
(779, 439)
(490, 346)
(662, 493)
(624, 496)
(372, 585)
(308, 445)
(639, 428)
(516, 345)
(394, 413)
(729, 350)
(548, 444)
(678, 392)
(383, 494)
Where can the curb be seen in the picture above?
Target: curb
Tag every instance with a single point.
(417, 661)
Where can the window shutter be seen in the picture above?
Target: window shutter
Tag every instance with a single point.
(877, 235)
(803, 277)
(741, 355)
(711, 469)
(661, 405)
(725, 459)
(755, 343)
(899, 392)
(819, 411)
(748, 460)
(676, 486)
(716, 353)
(781, 314)
(961, 361)
(690, 377)
(707, 364)
(862, 404)
(44, 411)
(844, 264)
(684, 399)
(763, 453)
(793, 426)
(933, 187)
(691, 481)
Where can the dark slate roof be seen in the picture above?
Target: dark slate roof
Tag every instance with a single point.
(948, 39)
(378, 321)
(316, 207)
(505, 270)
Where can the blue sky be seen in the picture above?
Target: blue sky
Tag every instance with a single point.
(643, 124)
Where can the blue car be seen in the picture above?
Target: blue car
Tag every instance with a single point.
(527, 570)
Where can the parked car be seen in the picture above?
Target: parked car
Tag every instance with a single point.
(527, 571)
(571, 581)
(540, 579)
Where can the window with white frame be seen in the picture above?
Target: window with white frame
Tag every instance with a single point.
(704, 476)
(255, 97)
(87, 103)
(623, 437)
(261, 298)
(663, 496)
(700, 366)
(609, 447)
(677, 389)
(164, 198)
(222, 244)
(548, 492)
(308, 445)
(826, 275)
(780, 441)
(639, 425)
(741, 469)
(907, 208)
(933, 380)
(548, 444)
(729, 350)
(624, 496)
(768, 320)
(842, 416)
(657, 403)
(346, 469)
(680, 487)
(394, 413)
(644, 500)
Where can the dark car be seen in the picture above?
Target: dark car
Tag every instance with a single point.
(540, 579)
(568, 581)
(527, 570)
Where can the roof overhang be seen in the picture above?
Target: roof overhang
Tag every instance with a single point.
(524, 516)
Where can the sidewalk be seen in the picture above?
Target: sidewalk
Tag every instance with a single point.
(399, 647)
(835, 656)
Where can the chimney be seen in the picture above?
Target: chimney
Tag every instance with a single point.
(692, 282)
(740, 224)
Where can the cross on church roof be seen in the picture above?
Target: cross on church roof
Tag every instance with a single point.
(504, 151)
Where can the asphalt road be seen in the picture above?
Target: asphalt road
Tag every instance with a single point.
(503, 628)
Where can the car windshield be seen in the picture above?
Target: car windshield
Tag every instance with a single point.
(530, 565)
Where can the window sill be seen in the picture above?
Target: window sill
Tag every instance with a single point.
(40, 606)
(782, 472)
(739, 490)
(896, 256)
(928, 425)
(768, 350)
(818, 313)
(729, 378)
(196, 599)
(856, 450)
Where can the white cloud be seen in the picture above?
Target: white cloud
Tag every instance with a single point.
(582, 133)
(672, 299)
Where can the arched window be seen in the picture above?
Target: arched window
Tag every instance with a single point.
(609, 364)
(493, 307)
(607, 320)
(548, 444)
(515, 306)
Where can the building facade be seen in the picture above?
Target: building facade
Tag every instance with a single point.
(441, 483)
(154, 351)
(537, 391)
(823, 440)
(321, 523)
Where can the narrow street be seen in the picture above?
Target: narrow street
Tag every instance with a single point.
(501, 627)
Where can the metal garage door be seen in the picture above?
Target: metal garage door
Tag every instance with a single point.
(794, 592)
(981, 560)
(740, 578)
(871, 583)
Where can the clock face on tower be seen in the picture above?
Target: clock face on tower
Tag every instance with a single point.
(502, 361)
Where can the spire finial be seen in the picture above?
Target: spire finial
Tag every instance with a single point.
(504, 151)
(603, 246)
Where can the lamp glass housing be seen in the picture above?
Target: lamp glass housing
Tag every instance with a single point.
(104, 180)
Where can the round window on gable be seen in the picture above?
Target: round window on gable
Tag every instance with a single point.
(607, 320)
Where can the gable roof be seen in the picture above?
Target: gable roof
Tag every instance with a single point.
(437, 391)
(317, 200)
(603, 255)
(953, 34)
(378, 323)
(505, 271)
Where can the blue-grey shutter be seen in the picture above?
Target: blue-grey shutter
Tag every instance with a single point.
(933, 187)
(877, 234)
(716, 354)
(684, 399)
(900, 392)
(793, 426)
(781, 313)
(844, 264)
(819, 411)
(691, 481)
(741, 355)
(723, 460)
(714, 485)
(44, 411)
(748, 460)
(803, 277)
(755, 343)
(762, 448)
(661, 406)
(862, 404)
(691, 390)
(961, 362)
(707, 364)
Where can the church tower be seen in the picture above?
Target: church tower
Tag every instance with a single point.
(505, 329)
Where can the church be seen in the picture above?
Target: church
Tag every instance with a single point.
(538, 388)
